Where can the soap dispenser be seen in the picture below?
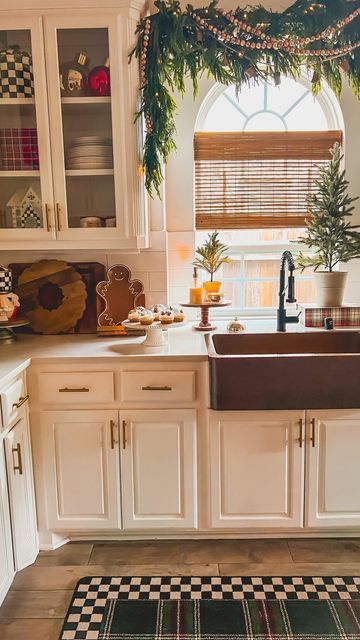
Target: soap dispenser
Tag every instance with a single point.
(196, 291)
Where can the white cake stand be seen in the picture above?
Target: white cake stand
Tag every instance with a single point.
(154, 332)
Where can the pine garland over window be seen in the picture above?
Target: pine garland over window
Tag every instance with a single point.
(237, 47)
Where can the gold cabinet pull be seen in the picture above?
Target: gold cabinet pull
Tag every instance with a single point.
(22, 400)
(124, 434)
(112, 437)
(47, 216)
(19, 466)
(58, 219)
(312, 436)
(79, 390)
(149, 388)
(301, 429)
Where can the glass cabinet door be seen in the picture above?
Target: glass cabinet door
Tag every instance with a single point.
(85, 95)
(26, 195)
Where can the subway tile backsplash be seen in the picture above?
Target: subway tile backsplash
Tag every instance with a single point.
(165, 273)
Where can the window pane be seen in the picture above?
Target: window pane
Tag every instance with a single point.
(223, 116)
(265, 121)
(305, 290)
(249, 98)
(309, 116)
(282, 98)
(261, 266)
(261, 294)
(232, 291)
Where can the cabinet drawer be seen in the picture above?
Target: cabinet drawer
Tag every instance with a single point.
(158, 386)
(13, 397)
(79, 387)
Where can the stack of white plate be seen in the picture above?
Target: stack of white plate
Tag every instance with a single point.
(90, 152)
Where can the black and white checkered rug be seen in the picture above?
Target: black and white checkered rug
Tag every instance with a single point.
(91, 595)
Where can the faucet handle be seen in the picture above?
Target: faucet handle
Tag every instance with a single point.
(291, 289)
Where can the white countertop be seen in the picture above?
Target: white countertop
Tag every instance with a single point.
(183, 343)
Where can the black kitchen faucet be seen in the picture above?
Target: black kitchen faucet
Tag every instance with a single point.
(282, 318)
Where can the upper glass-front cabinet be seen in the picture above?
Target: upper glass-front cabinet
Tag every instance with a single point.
(68, 148)
(25, 165)
(85, 101)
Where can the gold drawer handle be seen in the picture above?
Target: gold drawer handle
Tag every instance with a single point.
(80, 390)
(22, 401)
(149, 388)
(19, 466)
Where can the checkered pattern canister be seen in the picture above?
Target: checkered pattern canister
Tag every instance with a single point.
(5, 280)
(16, 74)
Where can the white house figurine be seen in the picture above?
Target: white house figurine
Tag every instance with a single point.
(26, 209)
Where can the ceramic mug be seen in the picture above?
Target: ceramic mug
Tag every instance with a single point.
(91, 222)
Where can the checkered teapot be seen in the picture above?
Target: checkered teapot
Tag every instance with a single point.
(16, 73)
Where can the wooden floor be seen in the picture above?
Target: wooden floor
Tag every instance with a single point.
(36, 605)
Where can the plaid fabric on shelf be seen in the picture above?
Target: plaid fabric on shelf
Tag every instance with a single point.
(19, 149)
(90, 603)
(230, 620)
(345, 316)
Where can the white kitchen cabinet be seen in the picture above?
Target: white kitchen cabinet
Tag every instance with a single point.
(333, 470)
(81, 469)
(256, 469)
(158, 463)
(74, 181)
(7, 570)
(21, 492)
(27, 118)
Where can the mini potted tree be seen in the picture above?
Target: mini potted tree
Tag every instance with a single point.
(209, 257)
(329, 234)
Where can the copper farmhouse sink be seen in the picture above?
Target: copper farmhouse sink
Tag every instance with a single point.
(310, 370)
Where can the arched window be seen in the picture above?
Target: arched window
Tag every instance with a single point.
(291, 106)
(251, 280)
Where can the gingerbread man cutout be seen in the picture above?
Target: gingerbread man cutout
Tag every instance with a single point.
(120, 293)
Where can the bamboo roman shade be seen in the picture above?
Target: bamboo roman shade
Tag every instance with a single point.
(253, 180)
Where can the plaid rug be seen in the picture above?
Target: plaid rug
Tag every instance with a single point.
(230, 620)
(209, 608)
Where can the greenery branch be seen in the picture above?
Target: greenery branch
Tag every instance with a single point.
(178, 47)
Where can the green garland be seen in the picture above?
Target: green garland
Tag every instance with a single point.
(237, 47)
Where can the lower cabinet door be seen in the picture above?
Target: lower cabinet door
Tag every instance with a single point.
(7, 570)
(80, 451)
(158, 463)
(21, 494)
(333, 469)
(256, 469)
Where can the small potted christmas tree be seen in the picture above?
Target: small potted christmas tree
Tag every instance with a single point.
(209, 257)
(329, 234)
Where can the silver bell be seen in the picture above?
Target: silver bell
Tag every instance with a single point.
(235, 326)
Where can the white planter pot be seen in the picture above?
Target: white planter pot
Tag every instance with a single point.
(330, 288)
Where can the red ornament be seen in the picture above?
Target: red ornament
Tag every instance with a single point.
(99, 80)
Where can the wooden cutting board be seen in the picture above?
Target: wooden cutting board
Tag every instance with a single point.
(90, 273)
(52, 296)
